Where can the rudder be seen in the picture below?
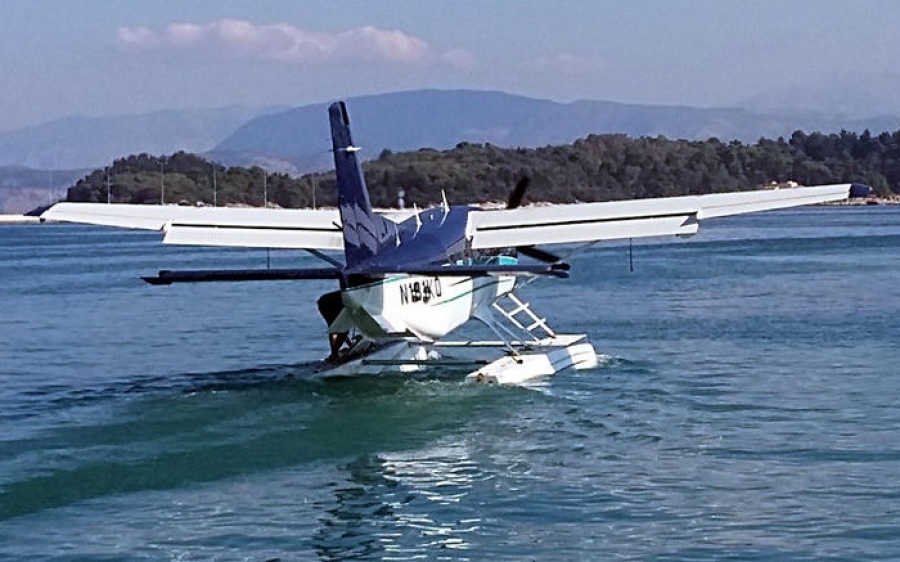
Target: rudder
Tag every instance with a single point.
(365, 233)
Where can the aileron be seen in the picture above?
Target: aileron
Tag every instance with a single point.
(724, 204)
(673, 216)
(215, 226)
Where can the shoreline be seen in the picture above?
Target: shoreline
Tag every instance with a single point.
(18, 219)
(861, 202)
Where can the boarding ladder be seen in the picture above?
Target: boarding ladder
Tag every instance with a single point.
(532, 324)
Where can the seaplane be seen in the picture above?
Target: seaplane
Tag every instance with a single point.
(410, 278)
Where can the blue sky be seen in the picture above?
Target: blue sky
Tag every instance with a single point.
(92, 57)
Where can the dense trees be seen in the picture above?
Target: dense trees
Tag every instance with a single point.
(596, 168)
(189, 179)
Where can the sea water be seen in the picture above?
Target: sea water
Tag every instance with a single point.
(746, 406)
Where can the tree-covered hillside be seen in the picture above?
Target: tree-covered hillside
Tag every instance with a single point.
(187, 179)
(596, 168)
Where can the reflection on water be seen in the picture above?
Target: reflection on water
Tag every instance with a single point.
(402, 505)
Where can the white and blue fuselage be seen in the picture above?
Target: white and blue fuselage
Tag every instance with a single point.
(425, 307)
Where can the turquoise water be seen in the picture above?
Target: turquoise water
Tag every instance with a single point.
(747, 407)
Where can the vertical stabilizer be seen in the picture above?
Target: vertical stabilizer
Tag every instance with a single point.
(365, 233)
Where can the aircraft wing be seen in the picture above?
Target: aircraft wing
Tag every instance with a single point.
(589, 222)
(215, 226)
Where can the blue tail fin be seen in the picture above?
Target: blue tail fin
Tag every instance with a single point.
(365, 233)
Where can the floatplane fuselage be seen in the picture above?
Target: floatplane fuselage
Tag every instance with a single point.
(421, 307)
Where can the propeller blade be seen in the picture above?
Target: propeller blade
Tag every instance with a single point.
(518, 192)
(515, 200)
(538, 254)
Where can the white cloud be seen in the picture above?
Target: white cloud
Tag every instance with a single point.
(185, 33)
(566, 64)
(459, 58)
(130, 36)
(288, 43)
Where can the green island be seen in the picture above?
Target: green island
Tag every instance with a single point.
(596, 168)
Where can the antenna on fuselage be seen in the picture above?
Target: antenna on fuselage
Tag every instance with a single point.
(418, 219)
(445, 206)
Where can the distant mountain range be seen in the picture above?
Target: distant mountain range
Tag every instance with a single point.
(23, 189)
(856, 95)
(443, 118)
(82, 142)
(297, 140)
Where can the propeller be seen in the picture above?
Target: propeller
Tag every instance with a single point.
(515, 200)
(540, 255)
(518, 193)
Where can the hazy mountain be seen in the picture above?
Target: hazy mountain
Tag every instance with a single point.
(852, 95)
(298, 138)
(79, 142)
(23, 189)
(443, 118)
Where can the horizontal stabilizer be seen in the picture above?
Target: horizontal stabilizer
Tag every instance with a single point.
(167, 277)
